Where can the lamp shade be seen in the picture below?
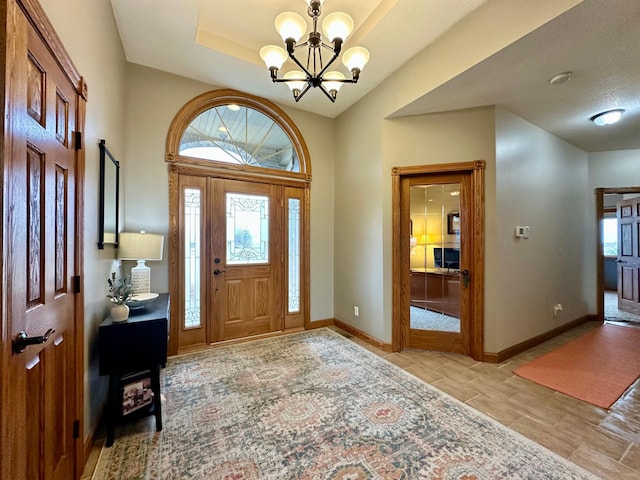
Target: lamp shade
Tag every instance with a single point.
(273, 56)
(337, 25)
(329, 80)
(140, 246)
(424, 240)
(355, 57)
(290, 25)
(299, 79)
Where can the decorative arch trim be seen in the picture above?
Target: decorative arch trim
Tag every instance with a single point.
(216, 98)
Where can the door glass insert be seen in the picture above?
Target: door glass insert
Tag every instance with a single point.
(247, 230)
(192, 222)
(435, 257)
(294, 256)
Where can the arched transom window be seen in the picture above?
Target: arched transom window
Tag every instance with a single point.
(239, 130)
(242, 135)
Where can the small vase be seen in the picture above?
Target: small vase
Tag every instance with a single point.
(119, 313)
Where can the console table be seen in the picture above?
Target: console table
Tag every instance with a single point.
(133, 347)
(436, 290)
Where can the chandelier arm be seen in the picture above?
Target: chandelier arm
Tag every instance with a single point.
(297, 62)
(333, 59)
(337, 47)
(304, 90)
(329, 96)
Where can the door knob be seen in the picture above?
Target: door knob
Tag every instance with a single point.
(466, 277)
(217, 271)
(23, 340)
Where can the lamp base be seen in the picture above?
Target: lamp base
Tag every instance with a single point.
(141, 278)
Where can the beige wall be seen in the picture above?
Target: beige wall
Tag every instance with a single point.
(541, 183)
(369, 147)
(88, 31)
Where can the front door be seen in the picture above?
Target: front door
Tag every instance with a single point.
(248, 255)
(39, 263)
(628, 212)
(240, 258)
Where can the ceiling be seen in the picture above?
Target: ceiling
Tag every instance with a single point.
(212, 41)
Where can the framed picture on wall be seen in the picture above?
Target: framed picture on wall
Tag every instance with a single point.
(453, 223)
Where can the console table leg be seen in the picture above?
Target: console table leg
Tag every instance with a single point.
(157, 402)
(112, 406)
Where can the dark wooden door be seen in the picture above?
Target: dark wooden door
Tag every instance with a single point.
(39, 253)
(628, 212)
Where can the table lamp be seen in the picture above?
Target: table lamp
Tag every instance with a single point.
(140, 247)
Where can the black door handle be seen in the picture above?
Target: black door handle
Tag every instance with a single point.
(217, 271)
(23, 340)
(466, 277)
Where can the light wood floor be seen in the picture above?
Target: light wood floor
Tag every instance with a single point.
(605, 442)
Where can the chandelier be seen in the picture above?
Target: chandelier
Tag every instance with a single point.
(336, 27)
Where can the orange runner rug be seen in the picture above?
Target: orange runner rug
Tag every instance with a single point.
(597, 367)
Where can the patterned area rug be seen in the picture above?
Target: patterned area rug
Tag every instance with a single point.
(316, 406)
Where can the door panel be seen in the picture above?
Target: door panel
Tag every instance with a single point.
(246, 220)
(628, 212)
(40, 262)
(438, 310)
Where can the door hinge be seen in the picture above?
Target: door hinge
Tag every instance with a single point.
(76, 429)
(77, 140)
(76, 283)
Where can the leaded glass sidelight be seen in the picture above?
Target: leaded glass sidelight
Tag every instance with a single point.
(192, 251)
(241, 135)
(247, 229)
(294, 256)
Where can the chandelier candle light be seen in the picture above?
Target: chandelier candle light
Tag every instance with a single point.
(337, 27)
(140, 247)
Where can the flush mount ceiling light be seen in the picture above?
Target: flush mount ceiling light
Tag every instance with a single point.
(608, 117)
(337, 27)
(560, 78)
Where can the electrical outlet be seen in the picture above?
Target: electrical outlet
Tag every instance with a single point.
(356, 311)
(557, 308)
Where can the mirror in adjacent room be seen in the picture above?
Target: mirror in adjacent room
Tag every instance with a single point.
(109, 198)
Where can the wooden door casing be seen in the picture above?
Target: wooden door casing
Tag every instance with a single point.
(472, 301)
(43, 110)
(238, 301)
(628, 213)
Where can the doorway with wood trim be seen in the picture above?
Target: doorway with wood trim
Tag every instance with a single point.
(618, 254)
(438, 258)
(41, 336)
(239, 178)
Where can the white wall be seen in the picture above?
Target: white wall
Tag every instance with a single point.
(620, 168)
(153, 98)
(89, 34)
